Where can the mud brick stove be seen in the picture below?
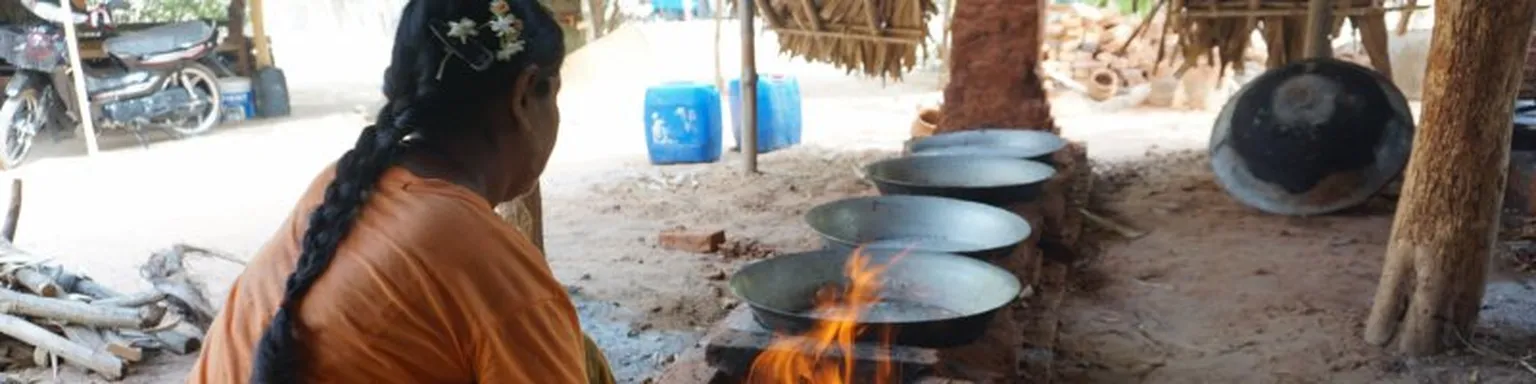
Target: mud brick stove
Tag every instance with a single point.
(1015, 348)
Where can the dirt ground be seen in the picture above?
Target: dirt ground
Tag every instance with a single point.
(1214, 293)
(1217, 292)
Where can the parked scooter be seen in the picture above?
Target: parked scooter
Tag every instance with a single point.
(155, 80)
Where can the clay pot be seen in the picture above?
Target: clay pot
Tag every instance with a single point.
(926, 122)
(1103, 84)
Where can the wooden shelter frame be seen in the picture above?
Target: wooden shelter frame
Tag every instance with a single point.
(1280, 23)
(238, 19)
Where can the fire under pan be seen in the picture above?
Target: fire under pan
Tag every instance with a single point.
(740, 340)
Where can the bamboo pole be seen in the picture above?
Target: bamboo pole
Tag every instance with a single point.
(719, 17)
(748, 86)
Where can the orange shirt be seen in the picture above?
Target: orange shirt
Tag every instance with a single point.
(430, 287)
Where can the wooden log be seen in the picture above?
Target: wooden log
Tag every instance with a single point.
(99, 361)
(181, 339)
(32, 277)
(87, 337)
(1447, 216)
(120, 346)
(166, 271)
(74, 312)
(134, 300)
(36, 281)
(79, 284)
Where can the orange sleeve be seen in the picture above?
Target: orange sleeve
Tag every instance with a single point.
(535, 346)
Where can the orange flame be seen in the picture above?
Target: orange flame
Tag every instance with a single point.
(813, 357)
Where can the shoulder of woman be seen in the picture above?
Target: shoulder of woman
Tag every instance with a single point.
(450, 238)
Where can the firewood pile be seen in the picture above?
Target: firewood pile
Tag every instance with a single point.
(51, 315)
(1107, 52)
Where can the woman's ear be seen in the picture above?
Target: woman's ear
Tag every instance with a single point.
(523, 89)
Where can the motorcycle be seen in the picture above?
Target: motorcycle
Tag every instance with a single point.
(156, 79)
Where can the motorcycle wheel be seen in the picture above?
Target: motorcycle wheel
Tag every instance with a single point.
(21, 118)
(202, 82)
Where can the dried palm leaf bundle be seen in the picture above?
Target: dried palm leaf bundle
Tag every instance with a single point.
(877, 38)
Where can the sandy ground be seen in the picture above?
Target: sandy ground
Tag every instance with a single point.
(1300, 286)
(1217, 293)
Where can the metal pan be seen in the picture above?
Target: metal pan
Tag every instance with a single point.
(998, 181)
(934, 224)
(1313, 137)
(929, 299)
(1016, 143)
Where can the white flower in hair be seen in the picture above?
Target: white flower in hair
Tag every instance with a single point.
(463, 29)
(504, 24)
(508, 49)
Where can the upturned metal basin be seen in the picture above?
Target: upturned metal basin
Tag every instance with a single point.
(927, 299)
(1313, 137)
(926, 223)
(993, 180)
(1016, 143)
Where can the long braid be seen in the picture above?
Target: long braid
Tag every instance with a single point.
(358, 171)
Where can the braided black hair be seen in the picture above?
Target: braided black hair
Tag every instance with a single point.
(429, 94)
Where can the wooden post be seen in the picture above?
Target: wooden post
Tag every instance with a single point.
(1432, 282)
(1319, 23)
(259, 34)
(748, 86)
(236, 25)
(82, 99)
(993, 82)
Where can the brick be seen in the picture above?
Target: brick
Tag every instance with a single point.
(696, 241)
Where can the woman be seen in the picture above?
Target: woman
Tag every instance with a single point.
(393, 268)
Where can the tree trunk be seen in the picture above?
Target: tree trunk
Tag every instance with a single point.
(995, 51)
(527, 213)
(1432, 283)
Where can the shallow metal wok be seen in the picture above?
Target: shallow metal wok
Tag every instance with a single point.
(991, 180)
(927, 299)
(1015, 143)
(1313, 137)
(935, 224)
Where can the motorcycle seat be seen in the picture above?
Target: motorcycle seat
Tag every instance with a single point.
(95, 84)
(161, 39)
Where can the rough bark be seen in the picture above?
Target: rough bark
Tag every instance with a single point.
(994, 54)
(527, 214)
(1432, 282)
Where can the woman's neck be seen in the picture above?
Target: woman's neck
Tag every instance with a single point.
(458, 167)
